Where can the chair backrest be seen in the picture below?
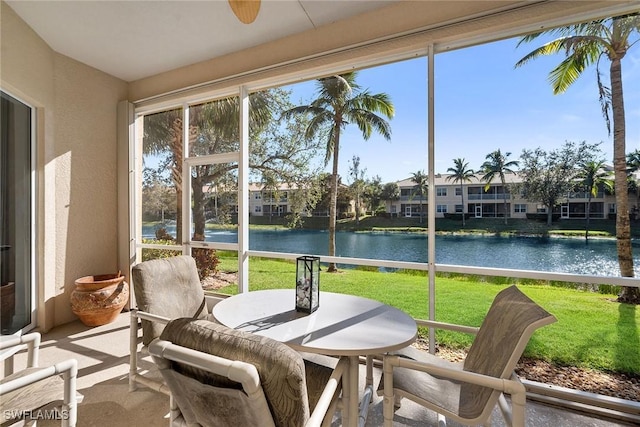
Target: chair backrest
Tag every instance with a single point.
(501, 340)
(168, 287)
(280, 368)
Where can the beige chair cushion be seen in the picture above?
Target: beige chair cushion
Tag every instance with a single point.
(444, 393)
(167, 287)
(496, 349)
(281, 369)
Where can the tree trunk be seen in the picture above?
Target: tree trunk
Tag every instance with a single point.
(586, 228)
(176, 174)
(549, 216)
(462, 197)
(333, 206)
(504, 198)
(198, 209)
(357, 207)
(623, 226)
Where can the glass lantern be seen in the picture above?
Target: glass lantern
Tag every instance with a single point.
(307, 283)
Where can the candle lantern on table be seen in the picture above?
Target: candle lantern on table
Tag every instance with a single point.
(307, 283)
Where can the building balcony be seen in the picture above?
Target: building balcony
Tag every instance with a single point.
(488, 196)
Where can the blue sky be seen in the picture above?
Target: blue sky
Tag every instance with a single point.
(482, 104)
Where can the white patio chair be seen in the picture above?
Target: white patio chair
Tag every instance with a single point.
(24, 393)
(164, 289)
(467, 392)
(223, 377)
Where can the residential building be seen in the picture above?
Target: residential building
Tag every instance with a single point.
(490, 203)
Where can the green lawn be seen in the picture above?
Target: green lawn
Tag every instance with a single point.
(592, 331)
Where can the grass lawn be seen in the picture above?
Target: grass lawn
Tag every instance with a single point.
(592, 331)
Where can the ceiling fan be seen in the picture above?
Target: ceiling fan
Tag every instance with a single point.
(245, 10)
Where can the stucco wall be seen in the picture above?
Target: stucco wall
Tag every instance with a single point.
(76, 162)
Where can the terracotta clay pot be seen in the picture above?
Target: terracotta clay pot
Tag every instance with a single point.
(97, 300)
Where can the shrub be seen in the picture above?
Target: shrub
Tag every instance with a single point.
(148, 254)
(206, 259)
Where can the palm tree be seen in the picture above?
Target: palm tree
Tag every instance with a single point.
(460, 173)
(593, 176)
(421, 188)
(496, 164)
(359, 184)
(341, 101)
(583, 45)
(633, 166)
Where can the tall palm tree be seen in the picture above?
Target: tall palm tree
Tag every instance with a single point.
(593, 176)
(583, 45)
(341, 101)
(422, 187)
(497, 165)
(460, 173)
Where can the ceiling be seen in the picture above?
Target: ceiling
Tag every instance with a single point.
(136, 39)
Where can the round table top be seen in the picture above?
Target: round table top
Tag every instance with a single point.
(343, 325)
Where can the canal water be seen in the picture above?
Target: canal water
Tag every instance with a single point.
(595, 257)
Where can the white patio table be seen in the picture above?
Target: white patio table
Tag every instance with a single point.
(343, 325)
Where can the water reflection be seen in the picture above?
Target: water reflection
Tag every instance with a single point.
(597, 257)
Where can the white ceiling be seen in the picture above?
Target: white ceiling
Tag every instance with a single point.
(136, 39)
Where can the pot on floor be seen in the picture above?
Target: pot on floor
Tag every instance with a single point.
(97, 300)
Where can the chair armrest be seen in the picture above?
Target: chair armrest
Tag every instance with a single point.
(13, 345)
(328, 393)
(448, 326)
(513, 386)
(69, 367)
(241, 372)
(150, 317)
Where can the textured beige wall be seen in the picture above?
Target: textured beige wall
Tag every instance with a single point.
(76, 162)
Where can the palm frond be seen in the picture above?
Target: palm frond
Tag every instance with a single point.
(550, 48)
(566, 73)
(604, 95)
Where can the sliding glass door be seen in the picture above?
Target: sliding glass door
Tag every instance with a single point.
(16, 215)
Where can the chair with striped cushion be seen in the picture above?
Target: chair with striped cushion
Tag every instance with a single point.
(467, 392)
(164, 289)
(219, 376)
(23, 393)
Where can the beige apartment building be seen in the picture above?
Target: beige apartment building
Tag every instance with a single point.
(478, 202)
(481, 203)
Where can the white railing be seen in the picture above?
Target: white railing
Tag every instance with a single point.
(465, 269)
